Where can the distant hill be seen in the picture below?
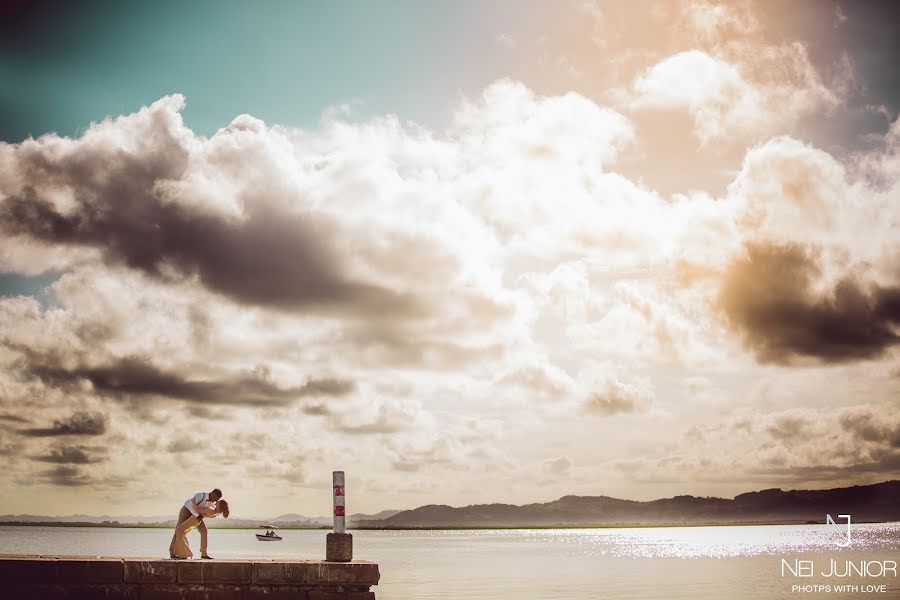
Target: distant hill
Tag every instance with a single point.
(878, 502)
(287, 520)
(295, 520)
(136, 519)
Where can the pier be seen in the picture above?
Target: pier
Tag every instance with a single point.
(112, 578)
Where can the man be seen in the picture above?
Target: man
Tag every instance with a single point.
(199, 505)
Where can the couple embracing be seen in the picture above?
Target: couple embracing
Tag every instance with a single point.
(198, 507)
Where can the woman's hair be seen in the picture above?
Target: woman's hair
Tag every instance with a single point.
(222, 507)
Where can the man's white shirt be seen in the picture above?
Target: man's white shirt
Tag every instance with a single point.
(201, 500)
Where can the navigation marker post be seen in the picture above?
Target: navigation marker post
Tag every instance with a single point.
(338, 544)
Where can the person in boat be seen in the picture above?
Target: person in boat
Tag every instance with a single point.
(180, 548)
(199, 505)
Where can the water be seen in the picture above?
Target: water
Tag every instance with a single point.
(644, 563)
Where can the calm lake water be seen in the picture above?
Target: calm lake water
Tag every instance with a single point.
(670, 562)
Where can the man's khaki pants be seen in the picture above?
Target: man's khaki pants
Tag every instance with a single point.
(186, 521)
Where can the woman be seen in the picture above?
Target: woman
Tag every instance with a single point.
(180, 548)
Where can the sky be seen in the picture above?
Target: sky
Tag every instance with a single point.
(466, 252)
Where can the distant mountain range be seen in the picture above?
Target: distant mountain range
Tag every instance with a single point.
(878, 502)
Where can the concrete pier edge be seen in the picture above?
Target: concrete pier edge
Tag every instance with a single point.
(76, 577)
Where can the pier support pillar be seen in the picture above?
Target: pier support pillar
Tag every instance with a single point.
(339, 544)
(339, 547)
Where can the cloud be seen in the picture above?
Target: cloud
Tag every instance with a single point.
(608, 395)
(383, 272)
(375, 416)
(740, 90)
(787, 190)
(116, 189)
(9, 446)
(455, 445)
(715, 21)
(444, 452)
(712, 90)
(181, 445)
(869, 426)
(886, 467)
(510, 120)
(138, 377)
(13, 418)
(79, 423)
(854, 444)
(817, 278)
(66, 476)
(540, 379)
(773, 297)
(68, 455)
(559, 466)
(788, 428)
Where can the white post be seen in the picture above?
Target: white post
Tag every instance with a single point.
(338, 494)
(339, 543)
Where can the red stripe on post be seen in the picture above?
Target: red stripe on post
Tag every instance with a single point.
(339, 511)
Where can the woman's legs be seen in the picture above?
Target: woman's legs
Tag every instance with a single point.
(181, 548)
(183, 515)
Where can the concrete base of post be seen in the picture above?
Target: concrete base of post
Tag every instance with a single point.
(339, 547)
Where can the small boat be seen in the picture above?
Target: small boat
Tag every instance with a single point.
(269, 536)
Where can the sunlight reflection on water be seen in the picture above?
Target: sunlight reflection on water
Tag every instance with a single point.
(733, 562)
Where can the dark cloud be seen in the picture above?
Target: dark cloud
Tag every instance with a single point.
(94, 333)
(181, 445)
(768, 296)
(868, 427)
(872, 447)
(885, 464)
(68, 455)
(77, 475)
(271, 256)
(611, 403)
(318, 409)
(66, 476)
(788, 428)
(80, 423)
(13, 419)
(378, 426)
(206, 412)
(399, 346)
(134, 377)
